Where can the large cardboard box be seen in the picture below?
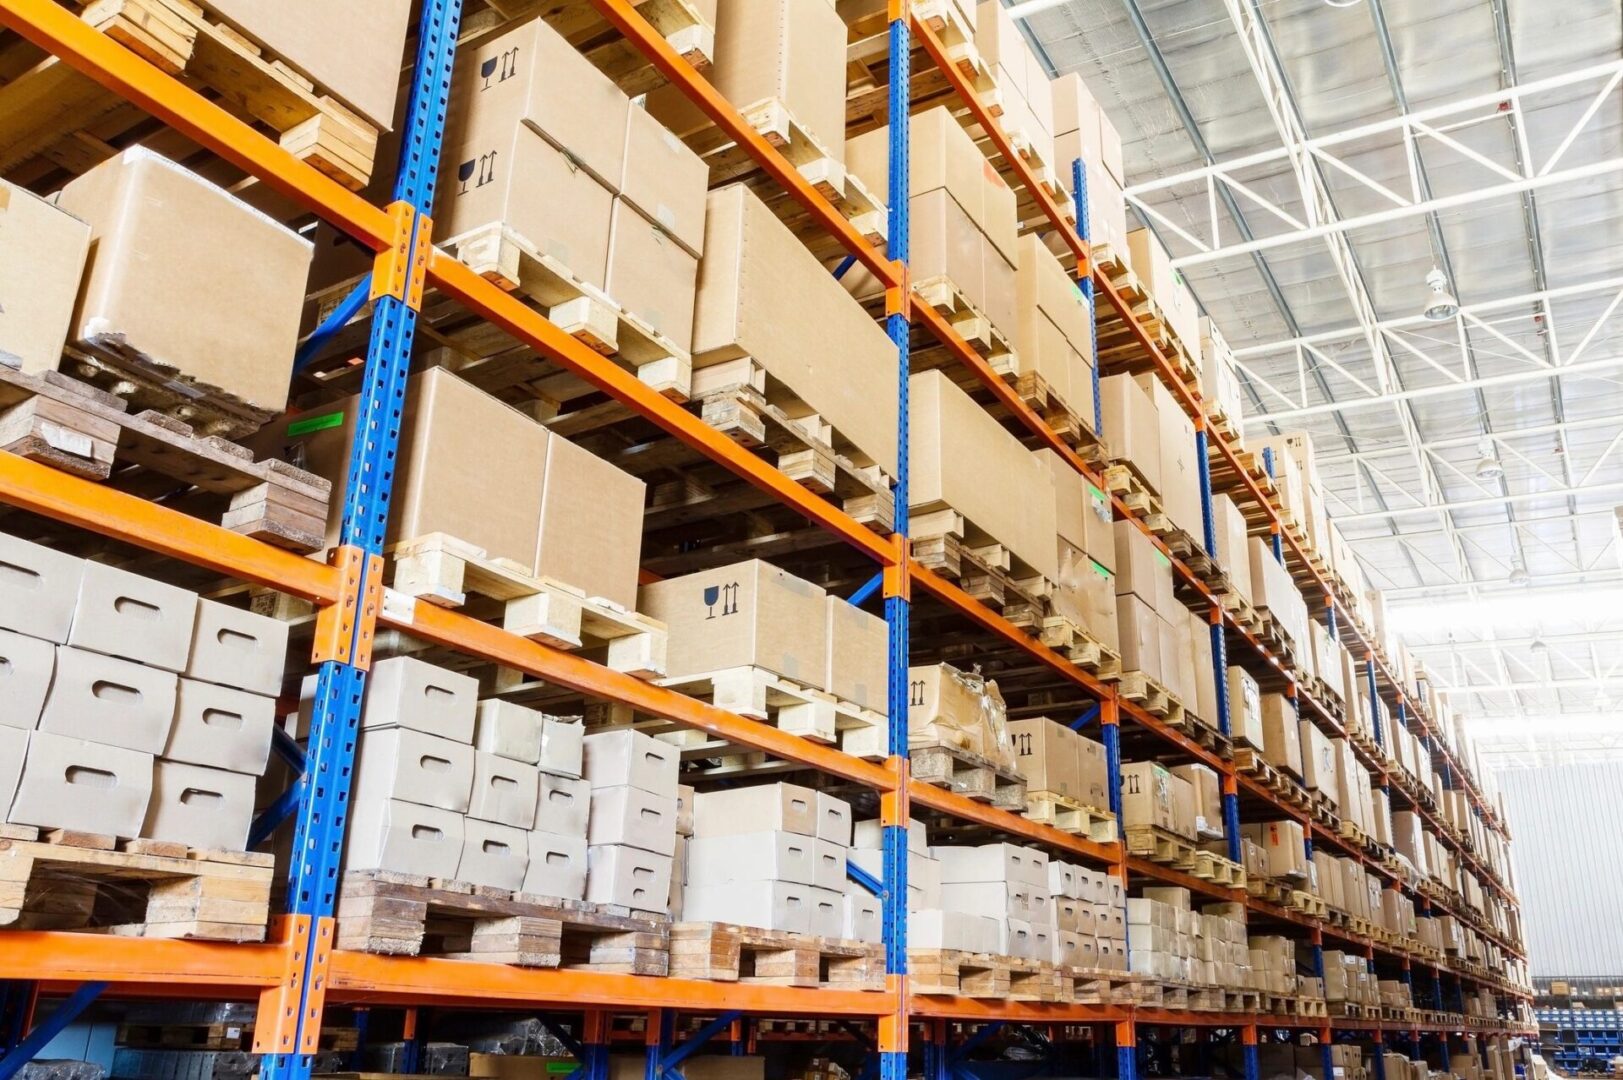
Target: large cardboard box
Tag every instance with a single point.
(407, 838)
(966, 462)
(665, 181)
(949, 707)
(1180, 471)
(1143, 569)
(632, 817)
(749, 614)
(630, 877)
(1132, 427)
(1082, 512)
(531, 81)
(1283, 841)
(1245, 709)
(1054, 328)
(109, 700)
(625, 756)
(199, 807)
(1185, 808)
(1139, 636)
(39, 588)
(563, 806)
(234, 647)
(1147, 796)
(557, 865)
(1207, 789)
(787, 808)
(1002, 863)
(1047, 755)
(1318, 761)
(941, 156)
(1233, 543)
(770, 905)
(1086, 594)
(650, 275)
(493, 855)
(504, 791)
(590, 533)
(71, 783)
(26, 667)
(1094, 769)
(221, 727)
(858, 655)
(42, 259)
(406, 692)
(1281, 734)
(762, 295)
(399, 763)
(769, 855)
(318, 39)
(134, 617)
(190, 278)
(1153, 266)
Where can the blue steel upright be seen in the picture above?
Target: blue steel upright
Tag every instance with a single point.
(1084, 229)
(893, 1051)
(324, 788)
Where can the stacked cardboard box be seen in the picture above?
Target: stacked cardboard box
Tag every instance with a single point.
(1273, 591)
(964, 228)
(1347, 978)
(761, 297)
(1207, 789)
(1055, 760)
(1054, 338)
(135, 708)
(541, 142)
(631, 830)
(1245, 709)
(1296, 475)
(1284, 842)
(1151, 795)
(1222, 947)
(459, 449)
(1233, 543)
(1082, 132)
(1150, 431)
(1008, 885)
(1219, 376)
(1022, 83)
(505, 733)
(772, 856)
(1153, 267)
(960, 710)
(1273, 965)
(1090, 917)
(1085, 591)
(1281, 735)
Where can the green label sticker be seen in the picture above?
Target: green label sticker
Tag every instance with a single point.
(1095, 493)
(1097, 569)
(1162, 559)
(561, 1068)
(315, 423)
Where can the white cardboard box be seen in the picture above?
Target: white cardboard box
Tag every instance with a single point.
(562, 746)
(869, 834)
(563, 805)
(70, 783)
(630, 877)
(933, 928)
(785, 807)
(493, 854)
(633, 817)
(833, 819)
(827, 912)
(504, 791)
(408, 838)
(992, 862)
(829, 868)
(135, 617)
(38, 589)
(199, 806)
(405, 692)
(512, 731)
(864, 918)
(235, 647)
(612, 758)
(108, 700)
(773, 855)
(221, 727)
(770, 905)
(26, 666)
(407, 764)
(557, 866)
(13, 748)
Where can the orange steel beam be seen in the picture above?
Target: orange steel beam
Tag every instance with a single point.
(43, 490)
(55, 29)
(362, 978)
(474, 638)
(1167, 874)
(624, 17)
(531, 327)
(77, 957)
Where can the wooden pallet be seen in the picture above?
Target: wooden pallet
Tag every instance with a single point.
(69, 425)
(1070, 816)
(1245, 616)
(1277, 1004)
(725, 952)
(970, 775)
(406, 915)
(679, 22)
(501, 256)
(1096, 986)
(1157, 845)
(1148, 694)
(1216, 869)
(971, 324)
(64, 880)
(947, 543)
(1204, 735)
(1300, 900)
(1080, 647)
(1123, 480)
(955, 973)
(54, 119)
(1073, 428)
(444, 571)
(1119, 348)
(1312, 1007)
(761, 695)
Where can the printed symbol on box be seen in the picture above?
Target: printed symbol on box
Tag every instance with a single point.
(1023, 742)
(507, 63)
(915, 693)
(484, 165)
(727, 594)
(1132, 784)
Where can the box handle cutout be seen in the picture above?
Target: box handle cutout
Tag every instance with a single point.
(19, 577)
(430, 763)
(426, 832)
(235, 639)
(200, 797)
(116, 693)
(85, 776)
(140, 609)
(222, 718)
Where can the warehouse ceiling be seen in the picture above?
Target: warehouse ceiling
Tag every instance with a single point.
(1308, 163)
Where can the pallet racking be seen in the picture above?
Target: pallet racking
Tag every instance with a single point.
(297, 973)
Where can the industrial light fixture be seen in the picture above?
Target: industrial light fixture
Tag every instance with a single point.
(1031, 7)
(1488, 466)
(1539, 647)
(1520, 577)
(1441, 304)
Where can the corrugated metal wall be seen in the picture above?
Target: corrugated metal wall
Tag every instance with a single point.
(1566, 827)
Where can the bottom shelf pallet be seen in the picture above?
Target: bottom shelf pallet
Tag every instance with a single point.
(747, 954)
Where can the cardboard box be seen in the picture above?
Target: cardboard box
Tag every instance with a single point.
(933, 928)
(1281, 734)
(770, 905)
(749, 614)
(630, 757)
(1143, 569)
(1132, 427)
(864, 919)
(1318, 761)
(409, 693)
(858, 656)
(400, 763)
(562, 805)
(1154, 268)
(13, 748)
(137, 618)
(948, 707)
(159, 232)
(762, 295)
(1139, 636)
(43, 261)
(72, 783)
(508, 730)
(557, 865)
(650, 275)
(827, 912)
(1180, 471)
(1233, 543)
(199, 806)
(948, 245)
(1245, 709)
(666, 182)
(964, 461)
(38, 589)
(109, 700)
(630, 877)
(738, 811)
(1094, 769)
(833, 819)
(1283, 841)
(1047, 756)
(828, 870)
(504, 791)
(629, 816)
(772, 855)
(407, 838)
(1207, 789)
(1085, 593)
(992, 863)
(562, 746)
(221, 727)
(1147, 796)
(1054, 334)
(526, 83)
(590, 532)
(941, 157)
(317, 40)
(234, 647)
(26, 667)
(493, 854)
(1185, 808)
